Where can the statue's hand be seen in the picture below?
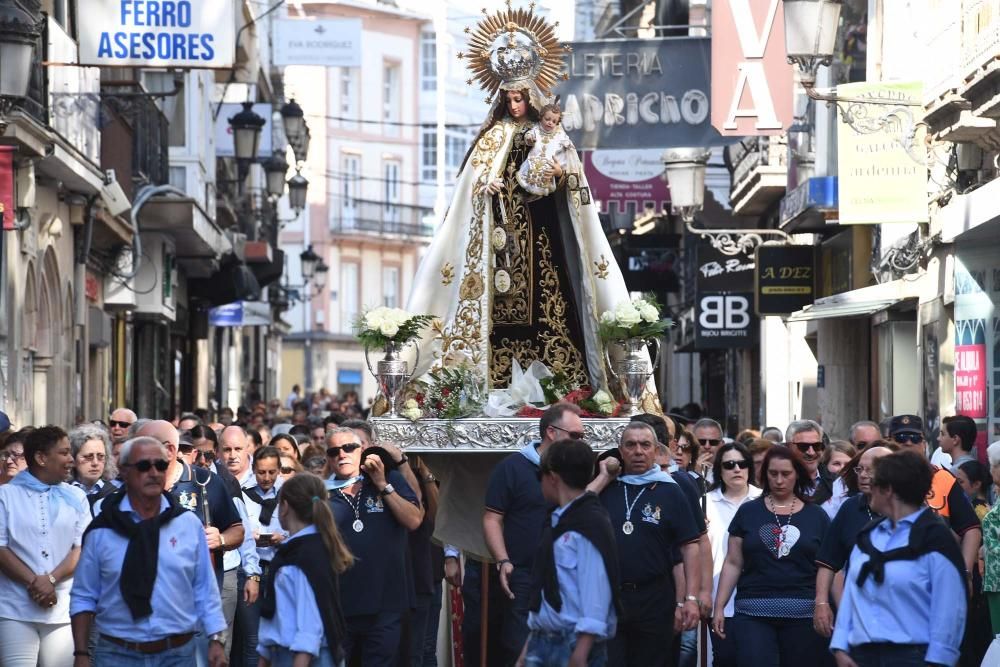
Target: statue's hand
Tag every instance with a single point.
(494, 187)
(554, 170)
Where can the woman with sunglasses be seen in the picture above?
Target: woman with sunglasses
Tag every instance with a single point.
(731, 489)
(686, 452)
(771, 566)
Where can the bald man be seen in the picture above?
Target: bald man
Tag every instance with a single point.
(120, 421)
(236, 453)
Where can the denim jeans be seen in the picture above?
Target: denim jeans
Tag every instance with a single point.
(246, 625)
(553, 649)
(889, 655)
(430, 657)
(108, 654)
(763, 641)
(419, 617)
(283, 657)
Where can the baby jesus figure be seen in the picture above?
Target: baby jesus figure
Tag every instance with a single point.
(549, 144)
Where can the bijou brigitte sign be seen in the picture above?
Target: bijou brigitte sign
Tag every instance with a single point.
(751, 79)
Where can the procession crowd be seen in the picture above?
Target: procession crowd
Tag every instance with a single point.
(275, 536)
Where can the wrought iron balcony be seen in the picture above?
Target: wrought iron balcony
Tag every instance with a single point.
(759, 173)
(134, 135)
(381, 218)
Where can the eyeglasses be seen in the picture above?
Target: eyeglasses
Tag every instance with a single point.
(574, 435)
(912, 438)
(861, 470)
(804, 447)
(14, 456)
(348, 448)
(93, 456)
(146, 465)
(185, 449)
(114, 422)
(861, 444)
(287, 471)
(733, 465)
(683, 446)
(709, 442)
(207, 454)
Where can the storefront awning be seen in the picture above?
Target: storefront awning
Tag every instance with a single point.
(862, 302)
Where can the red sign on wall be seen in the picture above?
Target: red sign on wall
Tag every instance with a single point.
(7, 186)
(970, 380)
(752, 81)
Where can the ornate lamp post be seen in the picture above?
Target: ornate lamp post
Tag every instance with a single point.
(297, 189)
(19, 31)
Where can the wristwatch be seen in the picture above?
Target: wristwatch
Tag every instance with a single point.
(217, 637)
(502, 562)
(254, 577)
(52, 579)
(691, 598)
(388, 490)
(430, 479)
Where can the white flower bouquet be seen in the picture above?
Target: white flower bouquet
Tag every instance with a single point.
(636, 318)
(382, 325)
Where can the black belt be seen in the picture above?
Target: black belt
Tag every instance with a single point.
(148, 648)
(633, 586)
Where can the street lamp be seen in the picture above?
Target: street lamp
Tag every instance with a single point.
(811, 35)
(319, 278)
(297, 188)
(275, 168)
(685, 174)
(247, 127)
(309, 260)
(18, 33)
(293, 118)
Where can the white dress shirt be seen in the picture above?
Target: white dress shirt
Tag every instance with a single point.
(297, 624)
(719, 513)
(253, 514)
(29, 530)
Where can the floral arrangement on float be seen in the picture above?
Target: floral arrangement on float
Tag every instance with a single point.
(630, 328)
(390, 330)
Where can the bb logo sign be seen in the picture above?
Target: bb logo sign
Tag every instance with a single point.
(724, 316)
(724, 312)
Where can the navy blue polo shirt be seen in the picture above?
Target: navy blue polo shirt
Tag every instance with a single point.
(853, 515)
(765, 575)
(693, 496)
(381, 577)
(515, 492)
(661, 519)
(187, 491)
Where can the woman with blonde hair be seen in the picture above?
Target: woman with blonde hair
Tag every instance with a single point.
(302, 622)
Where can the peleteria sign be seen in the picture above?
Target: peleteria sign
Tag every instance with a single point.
(195, 34)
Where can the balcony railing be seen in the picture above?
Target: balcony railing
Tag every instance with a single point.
(367, 216)
(135, 135)
(36, 104)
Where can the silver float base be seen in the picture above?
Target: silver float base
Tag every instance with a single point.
(483, 434)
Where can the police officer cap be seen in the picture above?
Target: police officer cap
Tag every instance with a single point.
(906, 424)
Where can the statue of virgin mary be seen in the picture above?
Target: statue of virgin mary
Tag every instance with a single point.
(509, 275)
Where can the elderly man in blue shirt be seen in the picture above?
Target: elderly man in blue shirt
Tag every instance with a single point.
(904, 599)
(145, 578)
(575, 573)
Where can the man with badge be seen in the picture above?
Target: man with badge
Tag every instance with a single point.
(650, 516)
(374, 509)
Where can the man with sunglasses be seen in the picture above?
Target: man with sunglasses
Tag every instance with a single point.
(708, 433)
(864, 434)
(808, 438)
(119, 423)
(516, 512)
(946, 496)
(375, 509)
(161, 590)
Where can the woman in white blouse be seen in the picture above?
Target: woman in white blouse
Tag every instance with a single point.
(731, 469)
(42, 519)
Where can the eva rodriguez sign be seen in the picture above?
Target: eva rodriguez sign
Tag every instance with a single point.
(724, 316)
(197, 34)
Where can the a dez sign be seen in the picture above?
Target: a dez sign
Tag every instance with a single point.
(724, 317)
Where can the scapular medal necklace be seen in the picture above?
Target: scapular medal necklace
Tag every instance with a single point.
(358, 524)
(627, 527)
(780, 531)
